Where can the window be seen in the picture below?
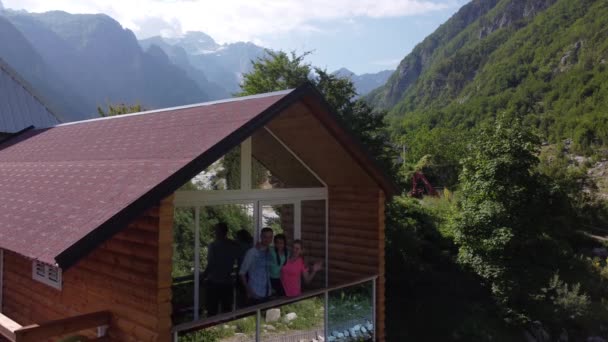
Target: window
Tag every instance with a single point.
(47, 274)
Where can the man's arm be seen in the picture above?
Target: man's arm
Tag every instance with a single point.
(310, 274)
(210, 259)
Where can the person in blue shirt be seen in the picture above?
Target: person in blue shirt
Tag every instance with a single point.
(255, 270)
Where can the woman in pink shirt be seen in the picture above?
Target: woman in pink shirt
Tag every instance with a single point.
(294, 269)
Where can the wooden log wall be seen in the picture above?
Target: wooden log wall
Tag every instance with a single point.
(313, 237)
(356, 240)
(129, 275)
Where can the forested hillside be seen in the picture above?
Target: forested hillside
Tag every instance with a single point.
(505, 109)
(543, 59)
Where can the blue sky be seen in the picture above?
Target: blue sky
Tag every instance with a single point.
(361, 44)
(361, 35)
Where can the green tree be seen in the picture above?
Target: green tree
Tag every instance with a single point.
(509, 225)
(119, 109)
(280, 70)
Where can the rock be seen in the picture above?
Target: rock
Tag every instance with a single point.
(357, 327)
(363, 330)
(269, 327)
(273, 315)
(314, 340)
(352, 332)
(320, 338)
(370, 327)
(563, 337)
(340, 335)
(346, 334)
(600, 252)
(331, 338)
(537, 333)
(290, 317)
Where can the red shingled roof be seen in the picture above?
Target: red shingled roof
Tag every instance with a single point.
(66, 189)
(58, 185)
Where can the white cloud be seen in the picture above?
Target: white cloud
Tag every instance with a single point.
(233, 20)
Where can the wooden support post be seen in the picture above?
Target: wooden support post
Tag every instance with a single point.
(40, 332)
(8, 327)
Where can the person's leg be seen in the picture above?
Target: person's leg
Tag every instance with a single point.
(277, 287)
(225, 297)
(241, 296)
(212, 295)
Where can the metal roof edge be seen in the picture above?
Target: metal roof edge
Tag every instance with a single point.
(29, 89)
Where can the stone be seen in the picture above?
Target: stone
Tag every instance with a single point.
(596, 339)
(357, 327)
(269, 327)
(290, 317)
(331, 338)
(600, 252)
(320, 338)
(340, 335)
(363, 330)
(273, 315)
(346, 333)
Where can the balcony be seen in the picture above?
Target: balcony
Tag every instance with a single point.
(340, 313)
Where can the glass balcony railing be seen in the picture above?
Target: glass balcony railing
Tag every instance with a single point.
(344, 313)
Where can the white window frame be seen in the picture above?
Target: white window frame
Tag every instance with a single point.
(47, 271)
(258, 197)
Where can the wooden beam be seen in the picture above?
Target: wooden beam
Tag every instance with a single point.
(8, 327)
(40, 332)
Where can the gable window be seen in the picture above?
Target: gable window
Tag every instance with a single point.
(47, 274)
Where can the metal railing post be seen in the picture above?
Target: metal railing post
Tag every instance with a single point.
(326, 316)
(197, 261)
(258, 320)
(374, 306)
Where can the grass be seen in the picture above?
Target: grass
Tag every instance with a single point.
(245, 325)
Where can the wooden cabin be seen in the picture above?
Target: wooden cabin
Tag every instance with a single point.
(92, 216)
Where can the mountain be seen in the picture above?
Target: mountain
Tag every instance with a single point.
(19, 53)
(178, 56)
(365, 83)
(99, 62)
(543, 59)
(223, 65)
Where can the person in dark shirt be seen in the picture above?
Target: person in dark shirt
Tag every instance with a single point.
(244, 242)
(221, 257)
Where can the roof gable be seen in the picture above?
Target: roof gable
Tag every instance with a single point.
(66, 189)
